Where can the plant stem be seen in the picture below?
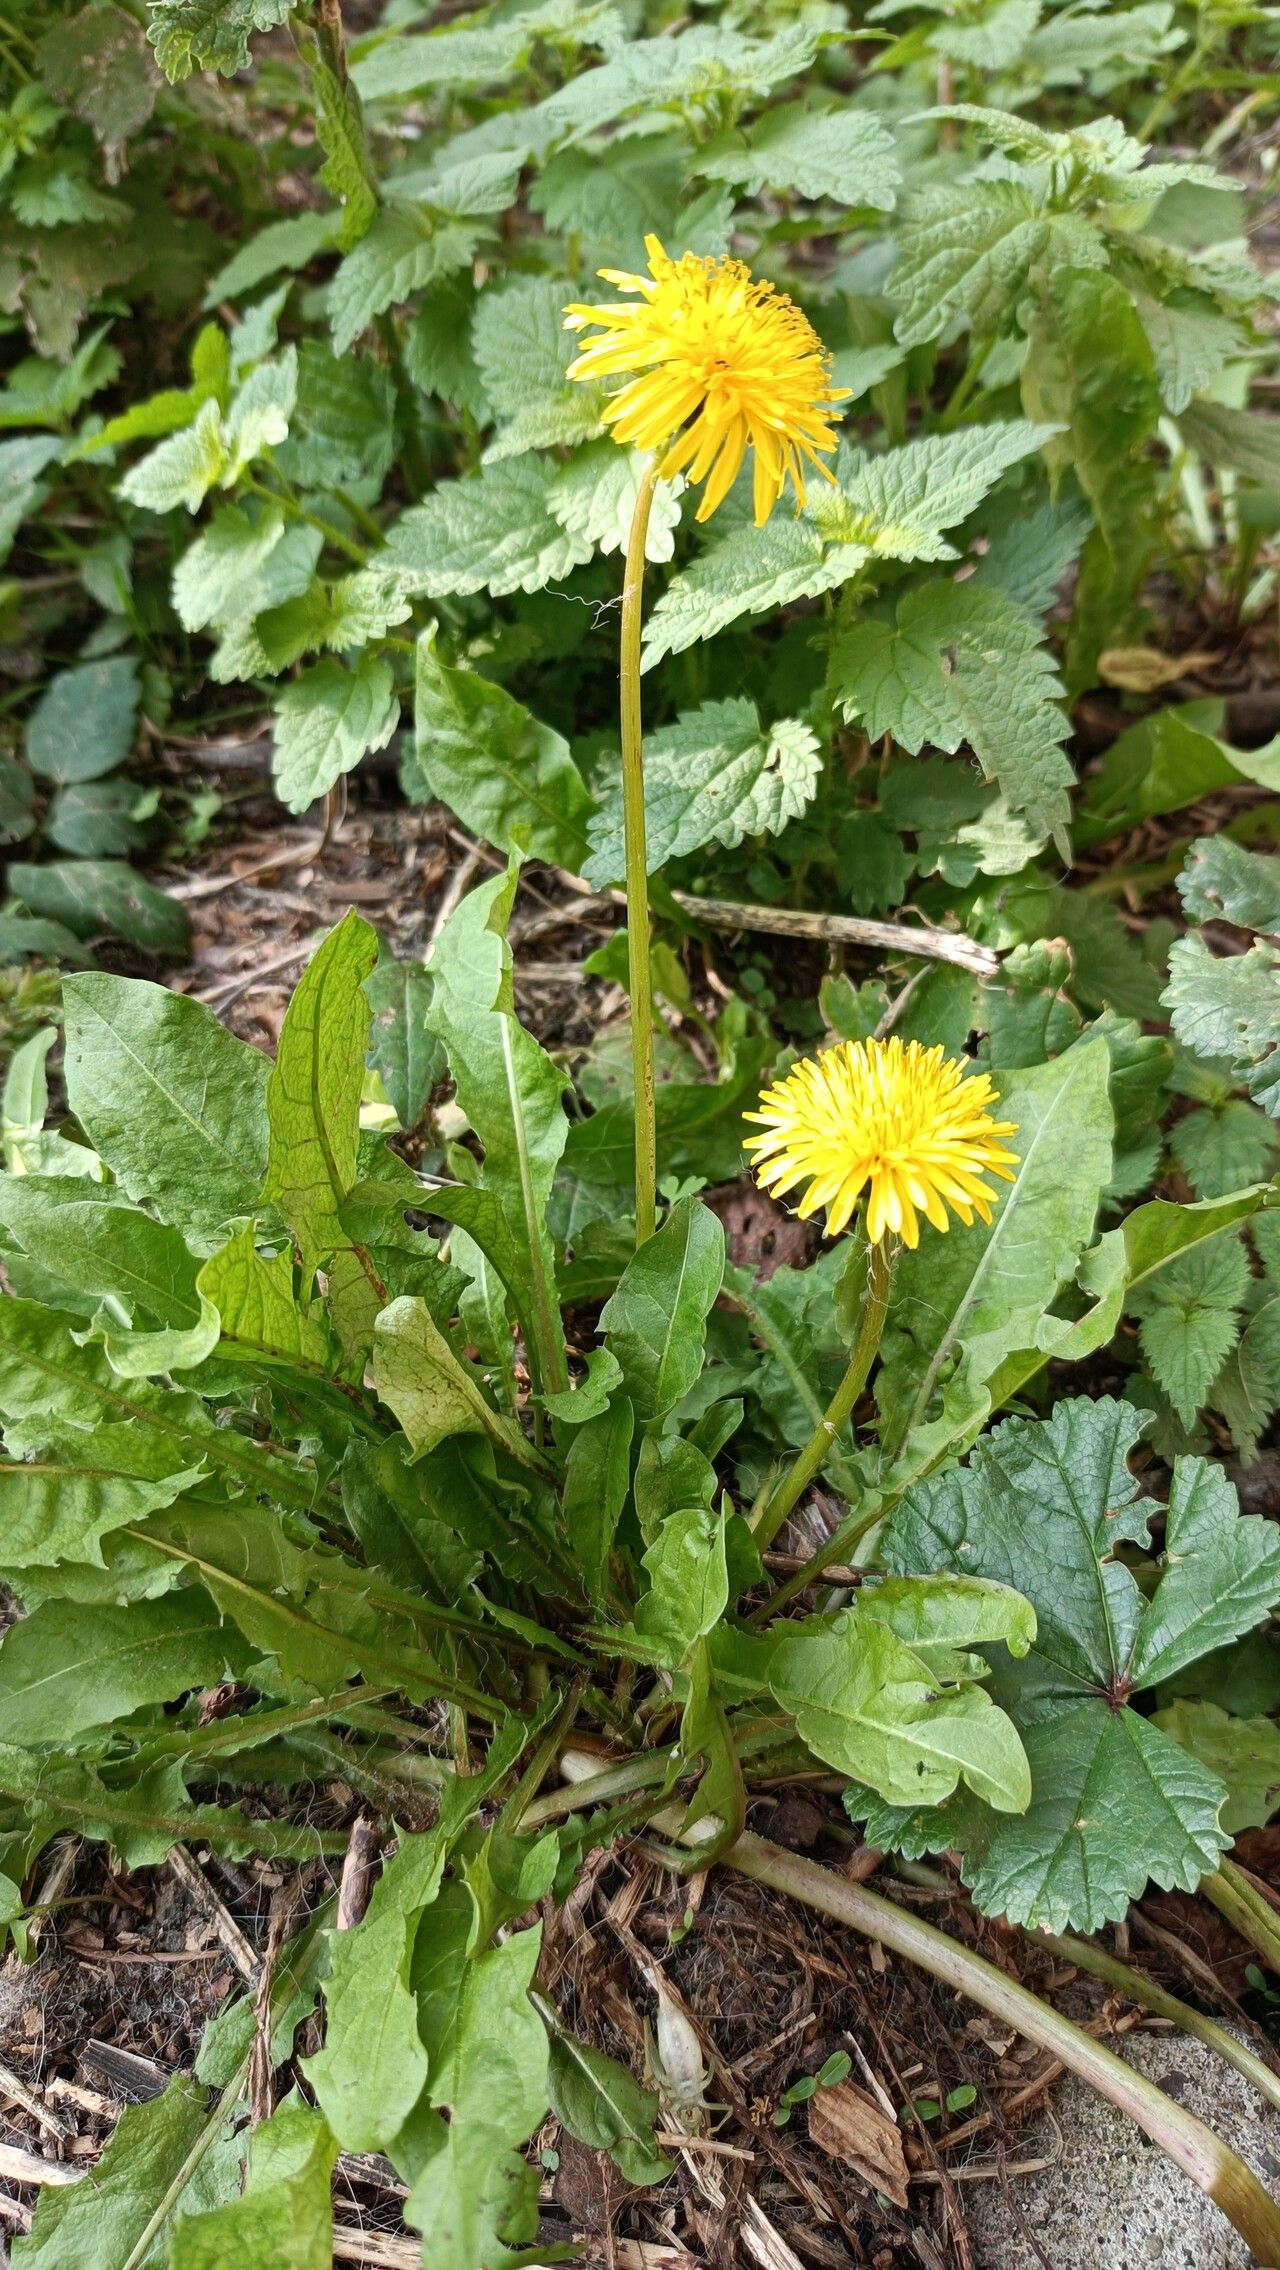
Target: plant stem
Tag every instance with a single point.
(1245, 1910)
(803, 1468)
(637, 864)
(1218, 2171)
(1145, 1992)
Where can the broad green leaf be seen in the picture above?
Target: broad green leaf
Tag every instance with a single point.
(977, 1294)
(494, 532)
(605, 2107)
(523, 351)
(1223, 1150)
(1113, 1801)
(712, 777)
(100, 1247)
(181, 470)
(406, 249)
(1223, 881)
(209, 35)
(968, 250)
(476, 53)
(1228, 1006)
(432, 1394)
(328, 719)
(281, 244)
(22, 461)
(1235, 439)
(65, 1668)
(95, 895)
(597, 1478)
(688, 1583)
(59, 1505)
(143, 2173)
(373, 2067)
(1167, 760)
(82, 726)
(407, 1056)
(1244, 1753)
(343, 428)
(594, 496)
(284, 2217)
(211, 579)
(170, 1099)
(844, 154)
(389, 1509)
(313, 1114)
(656, 1321)
(510, 779)
(261, 1318)
(870, 1707)
(510, 1091)
(97, 819)
(1189, 1320)
(936, 1615)
(952, 666)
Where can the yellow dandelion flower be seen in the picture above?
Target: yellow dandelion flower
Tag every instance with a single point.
(720, 363)
(907, 1125)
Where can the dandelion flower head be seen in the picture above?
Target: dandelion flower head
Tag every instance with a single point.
(909, 1125)
(719, 362)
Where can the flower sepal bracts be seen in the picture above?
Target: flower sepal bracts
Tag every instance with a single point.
(719, 362)
(908, 1125)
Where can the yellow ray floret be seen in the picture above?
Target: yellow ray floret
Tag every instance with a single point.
(907, 1125)
(719, 363)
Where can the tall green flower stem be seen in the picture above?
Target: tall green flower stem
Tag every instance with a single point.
(839, 1410)
(637, 862)
(1194, 2147)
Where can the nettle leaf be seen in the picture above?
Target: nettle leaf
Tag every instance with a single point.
(477, 54)
(172, 1102)
(1222, 881)
(407, 248)
(1190, 1322)
(496, 532)
(1113, 1801)
(326, 720)
(845, 154)
(82, 725)
(1190, 345)
(509, 778)
(968, 250)
(655, 1323)
(209, 35)
(890, 507)
(1227, 1008)
(872, 1708)
(594, 496)
(712, 777)
(181, 470)
(523, 351)
(1224, 1149)
(958, 666)
(962, 1304)
(211, 578)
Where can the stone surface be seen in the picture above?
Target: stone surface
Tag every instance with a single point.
(1112, 2200)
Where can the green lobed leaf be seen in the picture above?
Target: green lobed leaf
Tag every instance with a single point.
(147, 2161)
(714, 776)
(1244, 1753)
(65, 1668)
(1220, 880)
(1229, 1007)
(260, 1316)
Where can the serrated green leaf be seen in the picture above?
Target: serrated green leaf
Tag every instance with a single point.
(210, 580)
(281, 244)
(172, 1102)
(373, 2067)
(1222, 1006)
(1221, 880)
(1223, 1150)
(209, 35)
(523, 351)
(181, 470)
(59, 1505)
(496, 532)
(328, 719)
(510, 779)
(594, 498)
(1189, 1325)
(712, 777)
(844, 154)
(955, 665)
(406, 249)
(1243, 1753)
(968, 250)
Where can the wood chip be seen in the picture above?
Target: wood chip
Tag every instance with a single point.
(28, 2167)
(849, 2125)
